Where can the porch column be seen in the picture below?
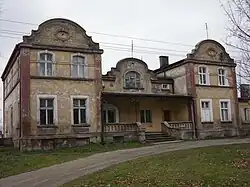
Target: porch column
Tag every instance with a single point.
(135, 101)
(191, 116)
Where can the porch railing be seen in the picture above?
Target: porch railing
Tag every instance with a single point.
(135, 130)
(120, 127)
(180, 124)
(178, 129)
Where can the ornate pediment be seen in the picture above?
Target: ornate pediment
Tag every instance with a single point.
(61, 32)
(210, 50)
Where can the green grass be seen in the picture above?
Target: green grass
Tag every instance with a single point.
(220, 166)
(14, 162)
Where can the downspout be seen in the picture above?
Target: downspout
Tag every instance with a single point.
(20, 132)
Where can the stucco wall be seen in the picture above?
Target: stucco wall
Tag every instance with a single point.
(213, 56)
(132, 64)
(64, 90)
(215, 94)
(213, 74)
(179, 76)
(137, 66)
(242, 106)
(62, 66)
(11, 100)
(11, 125)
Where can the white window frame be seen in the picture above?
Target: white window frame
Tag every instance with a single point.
(44, 96)
(107, 107)
(211, 109)
(246, 114)
(53, 62)
(87, 105)
(229, 110)
(207, 77)
(85, 65)
(225, 77)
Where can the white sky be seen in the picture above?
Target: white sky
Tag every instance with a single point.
(173, 21)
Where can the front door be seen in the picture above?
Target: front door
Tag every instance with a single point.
(166, 115)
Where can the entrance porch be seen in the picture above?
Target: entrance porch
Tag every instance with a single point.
(122, 111)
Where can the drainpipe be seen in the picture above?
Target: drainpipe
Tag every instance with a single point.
(20, 126)
(102, 124)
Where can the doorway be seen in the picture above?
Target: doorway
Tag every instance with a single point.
(166, 115)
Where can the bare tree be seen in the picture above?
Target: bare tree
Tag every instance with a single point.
(238, 13)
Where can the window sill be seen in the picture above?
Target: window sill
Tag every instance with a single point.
(61, 78)
(81, 125)
(207, 122)
(214, 86)
(133, 88)
(47, 126)
(226, 122)
(223, 85)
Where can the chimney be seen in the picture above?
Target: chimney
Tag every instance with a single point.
(163, 61)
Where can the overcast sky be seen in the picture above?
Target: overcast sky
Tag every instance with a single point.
(172, 21)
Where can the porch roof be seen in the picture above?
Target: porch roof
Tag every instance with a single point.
(140, 94)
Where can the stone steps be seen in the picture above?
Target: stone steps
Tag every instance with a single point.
(154, 137)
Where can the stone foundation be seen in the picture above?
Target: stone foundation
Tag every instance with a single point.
(56, 141)
(218, 133)
(6, 142)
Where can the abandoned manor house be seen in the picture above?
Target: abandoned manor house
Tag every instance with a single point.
(56, 96)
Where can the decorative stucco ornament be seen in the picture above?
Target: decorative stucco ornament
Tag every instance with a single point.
(62, 35)
(211, 52)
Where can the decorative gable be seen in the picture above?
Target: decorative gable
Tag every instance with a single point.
(61, 32)
(210, 50)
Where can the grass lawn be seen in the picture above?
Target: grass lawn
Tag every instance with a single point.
(220, 166)
(14, 162)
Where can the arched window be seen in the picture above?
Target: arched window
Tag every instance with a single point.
(46, 63)
(222, 77)
(78, 63)
(110, 114)
(203, 75)
(132, 79)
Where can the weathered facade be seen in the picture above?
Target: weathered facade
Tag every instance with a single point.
(44, 81)
(208, 75)
(55, 94)
(137, 94)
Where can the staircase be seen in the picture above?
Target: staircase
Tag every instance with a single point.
(153, 137)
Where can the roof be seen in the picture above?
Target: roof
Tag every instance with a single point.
(10, 60)
(170, 66)
(243, 99)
